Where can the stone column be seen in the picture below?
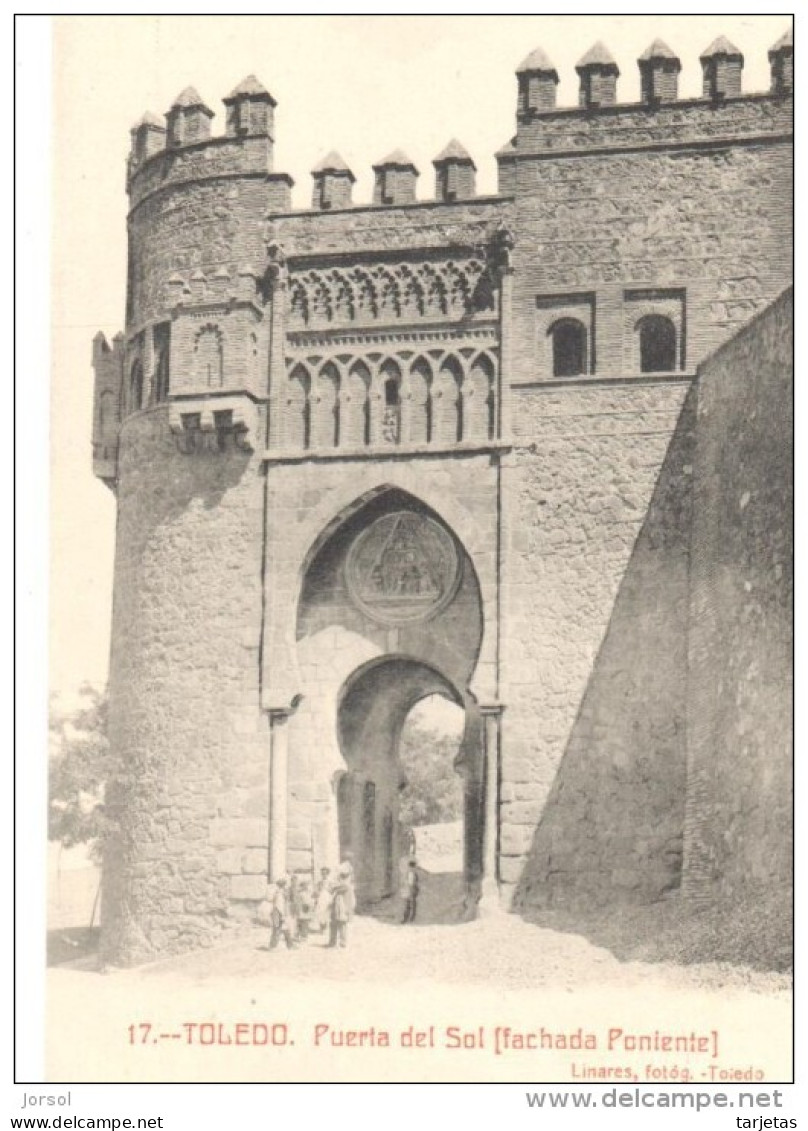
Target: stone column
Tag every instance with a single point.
(357, 831)
(278, 791)
(489, 901)
(500, 254)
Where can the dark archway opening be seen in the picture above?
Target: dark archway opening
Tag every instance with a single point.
(136, 387)
(409, 742)
(569, 348)
(657, 344)
(389, 618)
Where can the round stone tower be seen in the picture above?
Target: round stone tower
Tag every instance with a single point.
(179, 431)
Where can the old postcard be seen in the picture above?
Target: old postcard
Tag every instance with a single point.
(421, 689)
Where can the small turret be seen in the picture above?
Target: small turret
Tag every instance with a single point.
(781, 60)
(598, 72)
(108, 363)
(538, 79)
(250, 110)
(722, 65)
(188, 119)
(395, 180)
(454, 173)
(333, 183)
(659, 74)
(148, 137)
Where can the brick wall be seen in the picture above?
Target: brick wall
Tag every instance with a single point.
(194, 226)
(424, 225)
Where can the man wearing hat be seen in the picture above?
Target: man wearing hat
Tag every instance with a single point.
(281, 923)
(342, 906)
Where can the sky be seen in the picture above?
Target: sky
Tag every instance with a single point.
(361, 85)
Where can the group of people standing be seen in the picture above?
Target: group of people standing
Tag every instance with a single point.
(298, 907)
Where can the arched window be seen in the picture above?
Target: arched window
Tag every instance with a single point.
(355, 407)
(136, 387)
(478, 400)
(209, 360)
(569, 348)
(161, 377)
(447, 407)
(297, 425)
(420, 402)
(386, 418)
(657, 344)
(325, 422)
(392, 408)
(161, 340)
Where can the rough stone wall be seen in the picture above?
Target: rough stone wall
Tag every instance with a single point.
(184, 707)
(600, 211)
(739, 821)
(596, 529)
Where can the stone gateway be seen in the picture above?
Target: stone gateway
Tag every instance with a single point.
(529, 452)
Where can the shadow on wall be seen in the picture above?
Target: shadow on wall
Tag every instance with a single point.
(167, 480)
(612, 827)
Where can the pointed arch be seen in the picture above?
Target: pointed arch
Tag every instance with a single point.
(355, 407)
(385, 402)
(325, 416)
(297, 409)
(136, 386)
(310, 528)
(478, 399)
(447, 411)
(419, 402)
(443, 507)
(209, 357)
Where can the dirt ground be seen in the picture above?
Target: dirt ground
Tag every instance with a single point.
(444, 981)
(437, 976)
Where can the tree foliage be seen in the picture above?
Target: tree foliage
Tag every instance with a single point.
(79, 765)
(433, 793)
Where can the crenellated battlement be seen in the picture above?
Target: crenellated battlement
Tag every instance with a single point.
(184, 150)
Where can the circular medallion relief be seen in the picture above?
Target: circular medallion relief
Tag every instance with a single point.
(403, 568)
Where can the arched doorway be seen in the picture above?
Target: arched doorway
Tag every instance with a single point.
(378, 823)
(389, 614)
